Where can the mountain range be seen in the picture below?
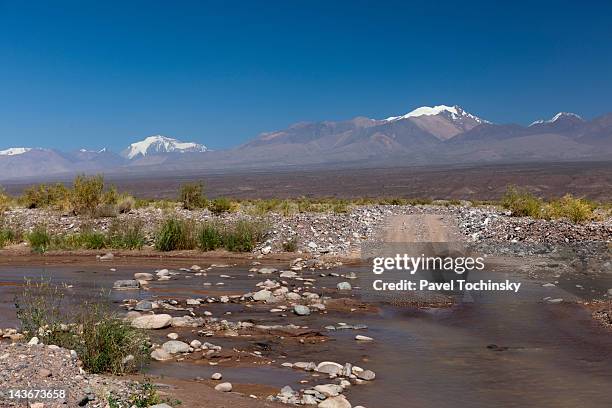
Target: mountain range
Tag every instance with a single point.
(426, 135)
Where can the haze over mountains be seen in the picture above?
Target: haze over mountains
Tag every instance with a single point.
(426, 135)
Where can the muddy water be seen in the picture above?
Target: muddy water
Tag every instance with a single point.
(547, 355)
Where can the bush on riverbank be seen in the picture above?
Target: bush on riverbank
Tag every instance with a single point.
(522, 203)
(178, 234)
(175, 234)
(103, 341)
(192, 196)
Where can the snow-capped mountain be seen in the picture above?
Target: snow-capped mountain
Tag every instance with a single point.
(14, 151)
(158, 144)
(453, 112)
(442, 121)
(559, 116)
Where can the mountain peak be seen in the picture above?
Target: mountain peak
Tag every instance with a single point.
(560, 115)
(161, 144)
(453, 112)
(14, 151)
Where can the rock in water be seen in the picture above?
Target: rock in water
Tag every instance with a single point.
(367, 375)
(216, 376)
(152, 321)
(160, 355)
(335, 402)
(301, 310)
(126, 284)
(175, 346)
(359, 337)
(224, 387)
(262, 295)
(329, 367)
(344, 286)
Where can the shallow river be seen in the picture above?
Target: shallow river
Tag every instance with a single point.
(547, 355)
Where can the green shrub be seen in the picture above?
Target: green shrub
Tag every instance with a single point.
(104, 342)
(175, 234)
(46, 195)
(126, 235)
(6, 202)
(576, 210)
(210, 236)
(290, 245)
(39, 239)
(521, 202)
(243, 236)
(87, 194)
(192, 196)
(220, 205)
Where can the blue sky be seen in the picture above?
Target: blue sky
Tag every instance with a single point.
(91, 74)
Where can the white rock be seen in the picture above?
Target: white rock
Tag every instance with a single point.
(335, 402)
(216, 376)
(158, 321)
(224, 387)
(359, 337)
(175, 346)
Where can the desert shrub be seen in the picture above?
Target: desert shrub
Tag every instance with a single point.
(192, 196)
(243, 236)
(87, 193)
(9, 235)
(92, 239)
(110, 196)
(175, 234)
(210, 236)
(577, 210)
(106, 211)
(126, 235)
(220, 205)
(521, 202)
(290, 245)
(39, 239)
(46, 195)
(340, 207)
(104, 342)
(6, 201)
(125, 204)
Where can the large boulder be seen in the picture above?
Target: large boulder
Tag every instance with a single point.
(158, 321)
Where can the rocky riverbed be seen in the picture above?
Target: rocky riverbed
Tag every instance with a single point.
(342, 234)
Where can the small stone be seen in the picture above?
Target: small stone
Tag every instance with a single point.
(216, 376)
(367, 375)
(359, 337)
(126, 284)
(160, 355)
(335, 402)
(224, 387)
(344, 286)
(172, 336)
(33, 341)
(196, 344)
(301, 310)
(44, 373)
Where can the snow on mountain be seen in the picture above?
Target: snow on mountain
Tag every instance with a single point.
(161, 144)
(560, 115)
(14, 151)
(454, 112)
